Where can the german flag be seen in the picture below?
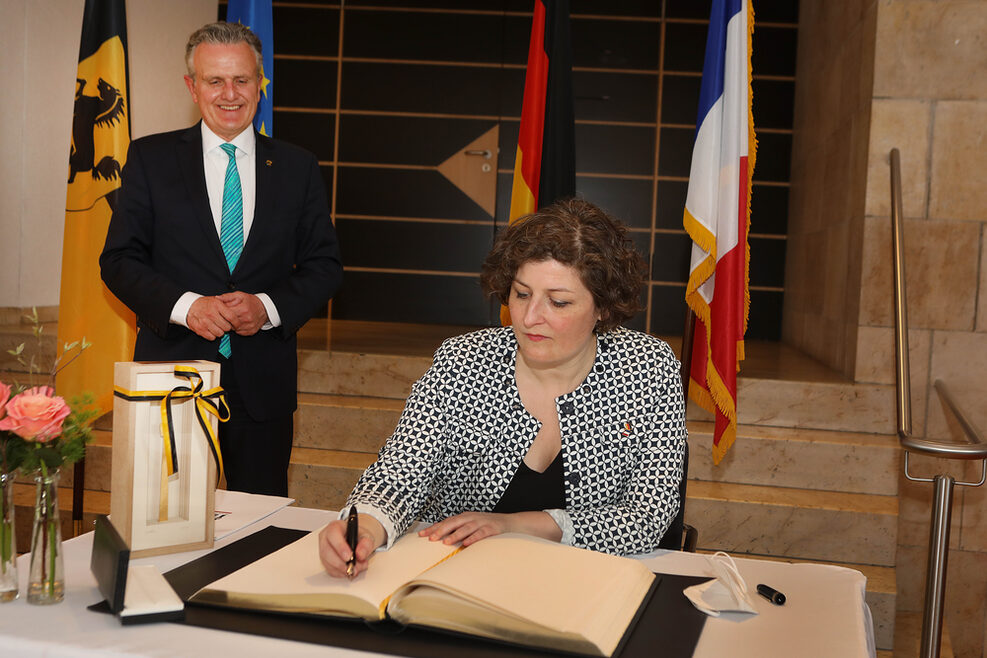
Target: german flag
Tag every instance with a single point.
(545, 164)
(100, 138)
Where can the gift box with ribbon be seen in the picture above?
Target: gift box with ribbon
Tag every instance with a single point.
(166, 456)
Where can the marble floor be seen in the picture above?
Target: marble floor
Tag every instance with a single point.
(765, 360)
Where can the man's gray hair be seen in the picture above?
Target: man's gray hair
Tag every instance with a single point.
(222, 33)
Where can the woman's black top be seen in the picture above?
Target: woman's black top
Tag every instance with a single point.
(531, 491)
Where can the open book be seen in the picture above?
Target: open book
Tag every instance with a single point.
(512, 588)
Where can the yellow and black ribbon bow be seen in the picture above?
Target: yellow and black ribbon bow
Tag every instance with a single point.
(212, 401)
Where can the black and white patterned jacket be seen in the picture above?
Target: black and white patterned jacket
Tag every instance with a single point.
(464, 432)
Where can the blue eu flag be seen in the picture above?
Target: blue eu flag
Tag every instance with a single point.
(257, 15)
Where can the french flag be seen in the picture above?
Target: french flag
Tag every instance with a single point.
(717, 216)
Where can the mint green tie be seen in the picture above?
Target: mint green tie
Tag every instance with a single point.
(231, 225)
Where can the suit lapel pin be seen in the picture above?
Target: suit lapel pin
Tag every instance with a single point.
(269, 163)
(625, 430)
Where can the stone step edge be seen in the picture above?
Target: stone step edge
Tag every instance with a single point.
(103, 436)
(836, 501)
(349, 401)
(697, 489)
(332, 458)
(910, 625)
(99, 502)
(801, 434)
(696, 428)
(768, 432)
(880, 579)
(93, 501)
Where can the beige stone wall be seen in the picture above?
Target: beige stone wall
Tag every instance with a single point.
(828, 179)
(41, 53)
(930, 101)
(871, 76)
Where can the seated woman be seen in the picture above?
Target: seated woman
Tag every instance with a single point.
(564, 425)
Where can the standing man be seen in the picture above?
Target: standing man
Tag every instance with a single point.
(221, 243)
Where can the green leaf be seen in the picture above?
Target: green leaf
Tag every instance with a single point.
(17, 350)
(73, 452)
(69, 346)
(49, 455)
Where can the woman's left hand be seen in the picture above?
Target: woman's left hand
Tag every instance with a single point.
(469, 527)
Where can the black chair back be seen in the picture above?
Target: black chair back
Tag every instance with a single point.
(680, 536)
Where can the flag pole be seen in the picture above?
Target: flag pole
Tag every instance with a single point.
(686, 357)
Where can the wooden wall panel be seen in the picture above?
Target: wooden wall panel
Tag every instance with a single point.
(419, 79)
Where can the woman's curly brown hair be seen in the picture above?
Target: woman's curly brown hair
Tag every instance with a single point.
(573, 232)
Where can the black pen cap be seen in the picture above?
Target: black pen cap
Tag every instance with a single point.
(771, 594)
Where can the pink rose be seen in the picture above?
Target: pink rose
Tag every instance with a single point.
(36, 414)
(4, 396)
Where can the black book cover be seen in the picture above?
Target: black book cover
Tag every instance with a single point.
(667, 625)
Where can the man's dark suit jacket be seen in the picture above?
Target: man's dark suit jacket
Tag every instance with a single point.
(162, 242)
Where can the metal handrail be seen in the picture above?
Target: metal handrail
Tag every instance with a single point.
(975, 448)
(902, 372)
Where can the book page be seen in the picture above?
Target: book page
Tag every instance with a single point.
(293, 579)
(528, 582)
(236, 510)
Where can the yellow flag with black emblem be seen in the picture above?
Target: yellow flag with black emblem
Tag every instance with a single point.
(100, 138)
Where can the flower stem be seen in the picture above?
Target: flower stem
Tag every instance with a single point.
(6, 532)
(5, 529)
(46, 535)
(53, 549)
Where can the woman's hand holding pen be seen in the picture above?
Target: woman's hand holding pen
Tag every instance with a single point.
(335, 552)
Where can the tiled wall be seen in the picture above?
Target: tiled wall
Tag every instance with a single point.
(930, 80)
(929, 99)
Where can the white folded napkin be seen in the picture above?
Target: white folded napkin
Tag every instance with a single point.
(727, 592)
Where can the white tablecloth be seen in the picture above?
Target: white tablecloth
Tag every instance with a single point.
(825, 614)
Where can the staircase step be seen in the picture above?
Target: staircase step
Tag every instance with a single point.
(838, 406)
(813, 475)
(908, 637)
(808, 459)
(324, 478)
(12, 335)
(99, 460)
(852, 462)
(352, 373)
(94, 503)
(825, 405)
(345, 422)
(798, 523)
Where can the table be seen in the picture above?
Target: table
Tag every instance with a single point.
(825, 614)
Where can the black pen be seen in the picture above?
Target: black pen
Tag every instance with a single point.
(352, 535)
(771, 594)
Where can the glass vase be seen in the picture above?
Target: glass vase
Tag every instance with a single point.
(46, 583)
(8, 540)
